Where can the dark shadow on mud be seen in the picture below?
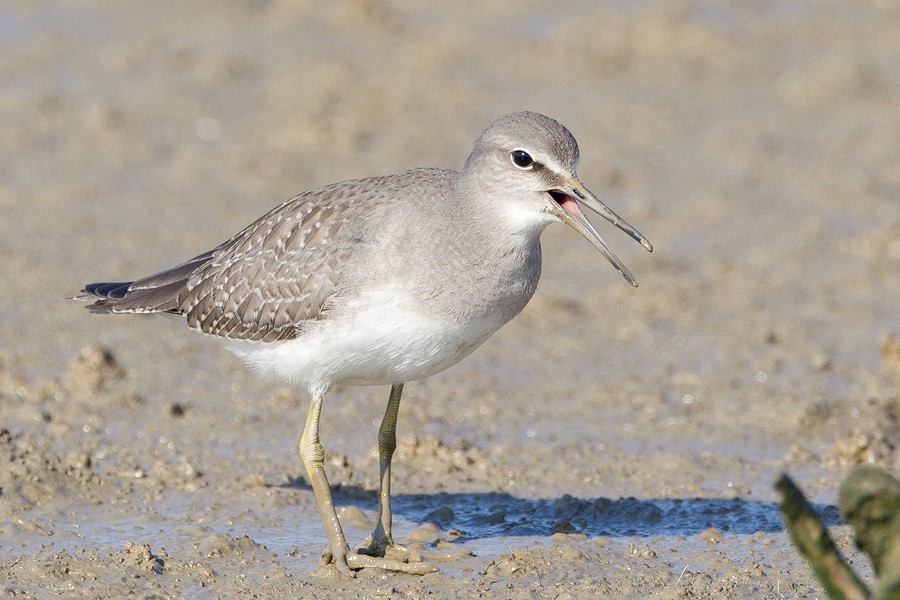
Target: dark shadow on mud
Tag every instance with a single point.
(495, 514)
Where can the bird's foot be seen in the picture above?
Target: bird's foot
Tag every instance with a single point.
(408, 553)
(347, 562)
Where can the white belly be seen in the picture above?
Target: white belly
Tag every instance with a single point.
(380, 339)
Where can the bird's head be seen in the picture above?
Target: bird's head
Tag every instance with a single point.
(532, 159)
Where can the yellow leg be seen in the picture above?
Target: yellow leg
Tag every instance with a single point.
(381, 542)
(313, 455)
(338, 552)
(387, 442)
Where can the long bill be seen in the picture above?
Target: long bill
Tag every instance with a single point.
(566, 208)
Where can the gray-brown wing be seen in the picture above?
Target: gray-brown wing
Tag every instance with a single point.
(160, 292)
(153, 294)
(265, 281)
(279, 272)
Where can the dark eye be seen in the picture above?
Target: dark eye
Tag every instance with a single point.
(522, 159)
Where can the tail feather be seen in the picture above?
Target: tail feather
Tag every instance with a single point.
(111, 290)
(163, 299)
(158, 293)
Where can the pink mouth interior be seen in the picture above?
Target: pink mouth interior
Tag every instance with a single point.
(569, 205)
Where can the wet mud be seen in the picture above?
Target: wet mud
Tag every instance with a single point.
(609, 442)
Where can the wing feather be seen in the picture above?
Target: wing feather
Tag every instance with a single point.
(276, 274)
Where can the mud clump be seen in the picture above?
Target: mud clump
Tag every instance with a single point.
(219, 545)
(31, 474)
(139, 555)
(94, 369)
(95, 377)
(859, 448)
(875, 441)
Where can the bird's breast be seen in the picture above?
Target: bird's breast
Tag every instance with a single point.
(380, 337)
(400, 324)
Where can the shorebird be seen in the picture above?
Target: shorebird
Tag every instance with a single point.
(381, 281)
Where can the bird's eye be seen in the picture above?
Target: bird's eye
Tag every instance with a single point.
(522, 159)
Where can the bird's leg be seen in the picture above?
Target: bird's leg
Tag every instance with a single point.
(381, 542)
(313, 455)
(381, 538)
(338, 551)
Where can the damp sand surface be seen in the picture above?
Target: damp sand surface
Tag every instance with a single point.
(609, 442)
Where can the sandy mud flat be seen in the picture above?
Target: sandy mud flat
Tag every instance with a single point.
(609, 442)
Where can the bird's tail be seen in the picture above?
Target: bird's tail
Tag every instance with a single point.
(158, 293)
(103, 296)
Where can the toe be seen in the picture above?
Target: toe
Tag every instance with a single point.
(343, 567)
(362, 561)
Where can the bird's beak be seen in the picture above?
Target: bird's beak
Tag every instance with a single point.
(566, 199)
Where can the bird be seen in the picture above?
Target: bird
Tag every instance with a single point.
(381, 281)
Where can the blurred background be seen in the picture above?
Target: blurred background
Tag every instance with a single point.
(756, 144)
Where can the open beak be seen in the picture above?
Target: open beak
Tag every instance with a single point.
(566, 199)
